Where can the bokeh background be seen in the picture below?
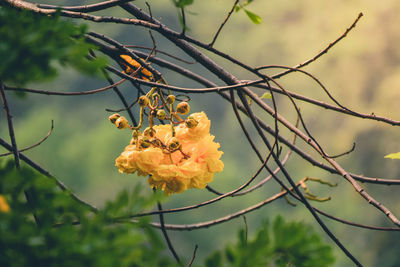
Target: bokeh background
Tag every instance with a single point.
(362, 71)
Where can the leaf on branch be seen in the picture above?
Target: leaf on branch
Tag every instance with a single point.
(256, 19)
(266, 96)
(393, 156)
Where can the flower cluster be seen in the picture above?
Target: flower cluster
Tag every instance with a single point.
(176, 156)
(191, 164)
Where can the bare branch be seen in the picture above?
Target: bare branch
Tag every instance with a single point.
(87, 8)
(223, 23)
(323, 51)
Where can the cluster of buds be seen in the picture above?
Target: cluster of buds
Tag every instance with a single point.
(162, 108)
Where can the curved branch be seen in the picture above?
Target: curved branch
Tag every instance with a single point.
(34, 145)
(45, 92)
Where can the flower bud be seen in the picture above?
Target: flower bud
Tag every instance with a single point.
(122, 123)
(157, 143)
(173, 144)
(149, 132)
(161, 114)
(183, 108)
(170, 99)
(144, 101)
(144, 142)
(191, 122)
(135, 134)
(114, 117)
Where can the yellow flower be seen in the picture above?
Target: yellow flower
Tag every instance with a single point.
(4, 207)
(193, 166)
(144, 74)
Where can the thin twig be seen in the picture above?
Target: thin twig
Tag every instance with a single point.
(170, 246)
(246, 227)
(45, 92)
(223, 23)
(29, 193)
(183, 21)
(10, 126)
(323, 51)
(194, 256)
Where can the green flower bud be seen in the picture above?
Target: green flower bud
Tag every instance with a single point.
(173, 144)
(170, 99)
(183, 108)
(191, 122)
(144, 142)
(113, 118)
(122, 123)
(161, 114)
(144, 101)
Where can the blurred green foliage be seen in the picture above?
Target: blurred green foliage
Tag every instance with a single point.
(55, 241)
(283, 244)
(31, 45)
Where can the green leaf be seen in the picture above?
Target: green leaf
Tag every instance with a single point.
(266, 96)
(256, 19)
(237, 8)
(393, 156)
(182, 3)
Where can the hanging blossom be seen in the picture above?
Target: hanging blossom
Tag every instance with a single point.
(175, 156)
(191, 166)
